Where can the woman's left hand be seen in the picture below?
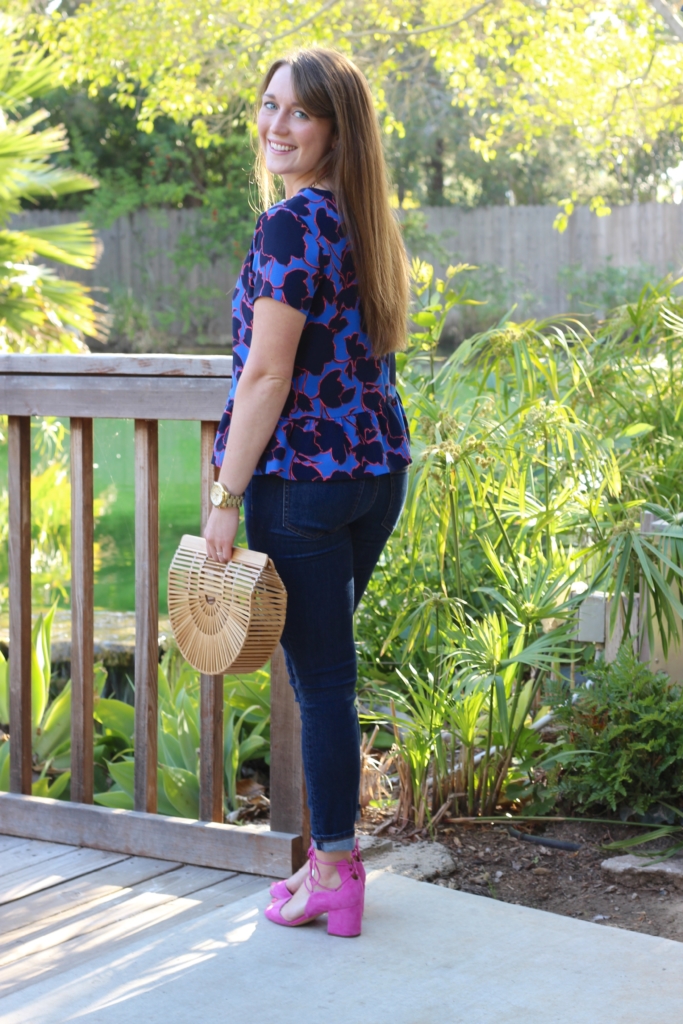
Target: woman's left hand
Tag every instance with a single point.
(220, 532)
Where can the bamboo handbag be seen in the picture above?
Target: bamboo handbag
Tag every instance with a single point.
(225, 617)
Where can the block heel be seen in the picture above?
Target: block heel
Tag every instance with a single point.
(343, 904)
(345, 923)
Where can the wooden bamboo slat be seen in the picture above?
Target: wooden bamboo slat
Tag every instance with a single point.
(19, 486)
(82, 617)
(146, 612)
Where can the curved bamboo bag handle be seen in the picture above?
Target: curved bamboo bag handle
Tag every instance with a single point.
(225, 618)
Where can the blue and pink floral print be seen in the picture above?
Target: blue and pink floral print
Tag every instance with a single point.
(343, 418)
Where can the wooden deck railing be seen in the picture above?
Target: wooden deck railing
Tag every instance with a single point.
(145, 389)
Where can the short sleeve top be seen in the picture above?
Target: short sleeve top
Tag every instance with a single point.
(343, 418)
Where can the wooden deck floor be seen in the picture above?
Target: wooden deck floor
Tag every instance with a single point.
(61, 906)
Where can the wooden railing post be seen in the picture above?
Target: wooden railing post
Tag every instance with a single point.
(19, 466)
(82, 599)
(211, 711)
(288, 805)
(146, 612)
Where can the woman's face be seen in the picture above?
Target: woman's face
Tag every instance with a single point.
(293, 141)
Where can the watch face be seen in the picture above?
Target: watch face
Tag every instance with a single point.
(216, 494)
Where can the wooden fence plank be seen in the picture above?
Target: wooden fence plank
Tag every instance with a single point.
(82, 616)
(161, 398)
(288, 805)
(93, 365)
(146, 612)
(207, 843)
(19, 486)
(211, 711)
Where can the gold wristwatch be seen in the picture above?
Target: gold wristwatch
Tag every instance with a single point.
(221, 497)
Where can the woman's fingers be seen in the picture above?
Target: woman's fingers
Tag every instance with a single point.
(220, 533)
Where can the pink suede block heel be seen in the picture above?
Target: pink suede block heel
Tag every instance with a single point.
(345, 923)
(343, 905)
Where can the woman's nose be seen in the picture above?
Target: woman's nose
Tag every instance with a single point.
(279, 123)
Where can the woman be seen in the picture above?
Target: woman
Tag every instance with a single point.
(314, 435)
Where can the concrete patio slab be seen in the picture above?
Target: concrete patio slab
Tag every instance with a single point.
(427, 955)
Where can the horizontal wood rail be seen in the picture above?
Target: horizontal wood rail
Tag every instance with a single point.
(146, 389)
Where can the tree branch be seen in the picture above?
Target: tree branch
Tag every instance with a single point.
(410, 32)
(670, 17)
(302, 24)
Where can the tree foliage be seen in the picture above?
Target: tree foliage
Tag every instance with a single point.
(606, 76)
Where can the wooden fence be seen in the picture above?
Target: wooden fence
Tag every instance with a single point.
(145, 389)
(138, 250)
(522, 242)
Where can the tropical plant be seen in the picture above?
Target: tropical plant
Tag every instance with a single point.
(538, 448)
(246, 737)
(38, 310)
(50, 717)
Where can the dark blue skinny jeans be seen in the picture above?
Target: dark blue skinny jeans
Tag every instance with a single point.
(325, 538)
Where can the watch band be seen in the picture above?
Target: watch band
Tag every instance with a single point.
(221, 497)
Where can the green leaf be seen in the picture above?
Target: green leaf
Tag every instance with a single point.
(637, 430)
(99, 679)
(41, 787)
(250, 747)
(424, 319)
(115, 798)
(56, 726)
(182, 790)
(74, 244)
(59, 786)
(502, 708)
(39, 692)
(123, 774)
(4, 766)
(116, 715)
(4, 690)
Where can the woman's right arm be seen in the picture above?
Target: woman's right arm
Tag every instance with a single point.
(260, 396)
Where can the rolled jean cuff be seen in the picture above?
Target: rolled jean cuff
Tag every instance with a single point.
(333, 845)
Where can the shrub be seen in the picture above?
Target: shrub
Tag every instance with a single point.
(627, 730)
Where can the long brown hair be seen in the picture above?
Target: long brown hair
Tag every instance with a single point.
(328, 85)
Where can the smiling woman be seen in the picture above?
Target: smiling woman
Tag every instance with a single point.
(294, 141)
(314, 439)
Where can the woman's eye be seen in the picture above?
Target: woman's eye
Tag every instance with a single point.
(269, 105)
(301, 114)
